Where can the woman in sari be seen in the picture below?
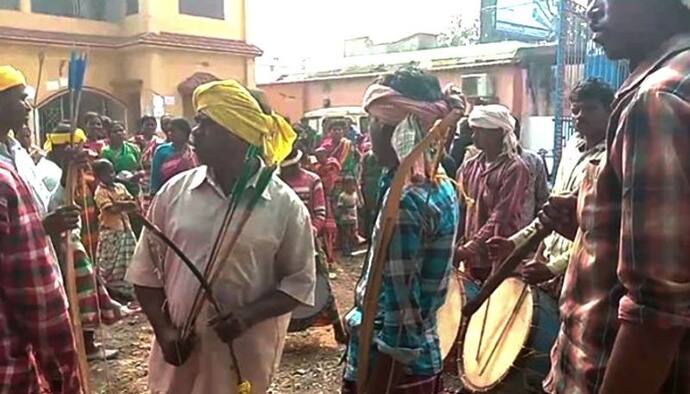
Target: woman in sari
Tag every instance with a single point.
(340, 148)
(124, 156)
(95, 134)
(173, 157)
(148, 141)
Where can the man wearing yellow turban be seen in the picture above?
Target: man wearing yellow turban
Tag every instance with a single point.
(268, 272)
(31, 285)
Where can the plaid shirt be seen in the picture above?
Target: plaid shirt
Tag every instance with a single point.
(630, 259)
(494, 194)
(34, 321)
(415, 280)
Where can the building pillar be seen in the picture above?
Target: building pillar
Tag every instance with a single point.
(25, 6)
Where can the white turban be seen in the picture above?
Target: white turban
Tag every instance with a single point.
(496, 117)
(492, 117)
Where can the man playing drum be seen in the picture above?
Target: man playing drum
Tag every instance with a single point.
(624, 306)
(405, 353)
(590, 103)
(493, 185)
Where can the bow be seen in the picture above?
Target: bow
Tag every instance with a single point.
(389, 215)
(243, 386)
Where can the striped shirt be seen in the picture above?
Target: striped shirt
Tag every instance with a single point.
(415, 281)
(309, 188)
(630, 259)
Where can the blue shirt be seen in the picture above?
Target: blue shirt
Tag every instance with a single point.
(415, 280)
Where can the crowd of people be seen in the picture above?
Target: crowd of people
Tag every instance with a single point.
(218, 241)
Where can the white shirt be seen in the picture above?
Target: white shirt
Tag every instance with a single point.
(274, 251)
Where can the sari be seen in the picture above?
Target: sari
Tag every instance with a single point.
(148, 148)
(344, 153)
(168, 162)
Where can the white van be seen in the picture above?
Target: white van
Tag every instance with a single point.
(316, 118)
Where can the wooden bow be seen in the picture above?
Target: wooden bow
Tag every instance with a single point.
(389, 217)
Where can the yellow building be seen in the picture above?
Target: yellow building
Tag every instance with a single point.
(144, 56)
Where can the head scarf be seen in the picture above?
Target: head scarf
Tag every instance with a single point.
(391, 107)
(62, 138)
(230, 104)
(496, 117)
(10, 77)
(411, 118)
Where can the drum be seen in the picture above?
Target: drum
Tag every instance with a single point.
(304, 317)
(507, 342)
(449, 316)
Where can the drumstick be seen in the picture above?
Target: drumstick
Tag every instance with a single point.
(510, 321)
(506, 269)
(481, 333)
(486, 316)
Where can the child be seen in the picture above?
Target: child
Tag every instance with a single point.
(348, 201)
(116, 239)
(328, 170)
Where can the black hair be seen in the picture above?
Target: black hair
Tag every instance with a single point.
(181, 124)
(593, 89)
(146, 118)
(100, 165)
(518, 127)
(262, 100)
(90, 116)
(413, 83)
(115, 123)
(61, 128)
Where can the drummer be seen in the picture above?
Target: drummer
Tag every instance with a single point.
(624, 306)
(590, 103)
(418, 262)
(493, 185)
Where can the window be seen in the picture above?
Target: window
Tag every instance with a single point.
(478, 85)
(132, 7)
(9, 4)
(87, 9)
(206, 8)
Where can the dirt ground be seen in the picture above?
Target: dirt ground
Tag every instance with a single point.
(310, 363)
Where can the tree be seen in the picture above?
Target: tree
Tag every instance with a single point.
(459, 32)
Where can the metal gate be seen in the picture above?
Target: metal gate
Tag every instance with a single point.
(577, 58)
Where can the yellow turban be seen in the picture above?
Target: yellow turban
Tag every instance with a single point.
(10, 77)
(230, 104)
(53, 139)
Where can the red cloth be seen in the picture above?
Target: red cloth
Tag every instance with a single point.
(33, 307)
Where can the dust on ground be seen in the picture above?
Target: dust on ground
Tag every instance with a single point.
(310, 363)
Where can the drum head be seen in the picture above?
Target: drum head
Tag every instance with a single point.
(321, 298)
(504, 329)
(448, 316)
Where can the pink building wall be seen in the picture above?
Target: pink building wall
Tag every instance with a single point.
(295, 98)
